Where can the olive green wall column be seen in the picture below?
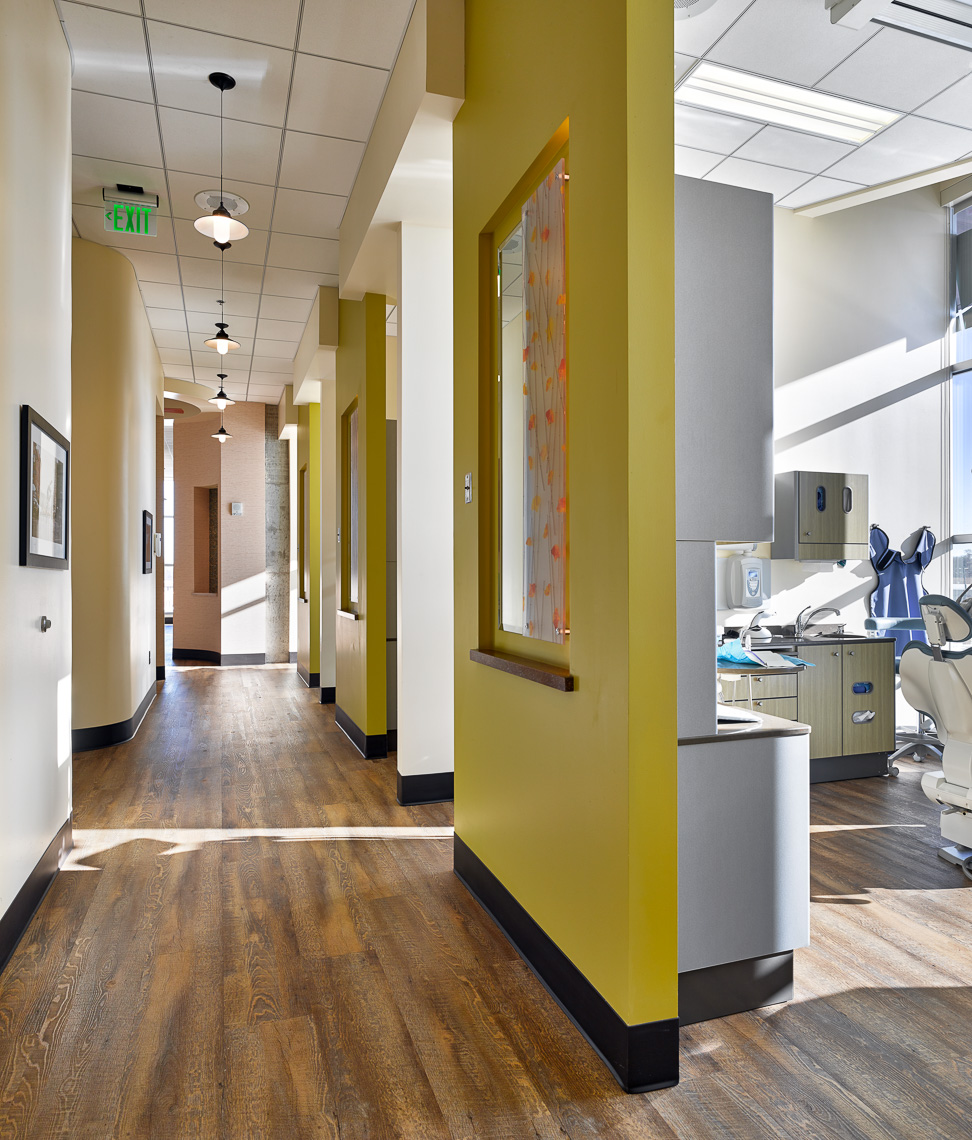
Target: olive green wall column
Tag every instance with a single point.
(309, 548)
(566, 801)
(360, 700)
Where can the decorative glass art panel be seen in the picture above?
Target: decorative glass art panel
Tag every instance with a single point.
(533, 429)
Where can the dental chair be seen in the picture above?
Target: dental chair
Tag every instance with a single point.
(938, 682)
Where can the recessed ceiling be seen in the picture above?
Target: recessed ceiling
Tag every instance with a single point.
(794, 41)
(310, 75)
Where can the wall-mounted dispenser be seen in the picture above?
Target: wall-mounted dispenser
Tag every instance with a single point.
(745, 584)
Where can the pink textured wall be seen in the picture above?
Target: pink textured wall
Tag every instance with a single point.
(196, 463)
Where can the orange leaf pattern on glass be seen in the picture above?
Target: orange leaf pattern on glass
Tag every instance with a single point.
(545, 408)
(532, 592)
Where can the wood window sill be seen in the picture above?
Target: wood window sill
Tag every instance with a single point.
(550, 675)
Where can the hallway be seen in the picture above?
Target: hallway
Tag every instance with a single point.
(252, 939)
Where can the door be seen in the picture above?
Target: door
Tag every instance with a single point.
(833, 508)
(818, 698)
(868, 664)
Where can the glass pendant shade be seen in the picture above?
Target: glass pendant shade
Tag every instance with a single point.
(221, 342)
(220, 226)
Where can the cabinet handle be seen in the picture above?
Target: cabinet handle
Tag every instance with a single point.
(850, 652)
(836, 652)
(757, 680)
(759, 704)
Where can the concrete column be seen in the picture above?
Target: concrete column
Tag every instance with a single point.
(425, 514)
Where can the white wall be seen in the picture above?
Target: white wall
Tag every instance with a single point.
(425, 557)
(35, 369)
(859, 323)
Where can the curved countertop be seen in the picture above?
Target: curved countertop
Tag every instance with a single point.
(764, 726)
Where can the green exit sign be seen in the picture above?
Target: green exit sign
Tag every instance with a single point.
(131, 218)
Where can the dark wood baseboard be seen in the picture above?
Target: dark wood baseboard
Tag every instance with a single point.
(105, 735)
(242, 659)
(391, 739)
(823, 769)
(160, 672)
(734, 987)
(328, 694)
(207, 655)
(427, 788)
(17, 916)
(641, 1057)
(370, 747)
(311, 680)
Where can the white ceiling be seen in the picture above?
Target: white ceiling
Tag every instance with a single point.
(310, 76)
(794, 41)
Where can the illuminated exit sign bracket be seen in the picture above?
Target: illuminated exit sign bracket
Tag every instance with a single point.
(131, 218)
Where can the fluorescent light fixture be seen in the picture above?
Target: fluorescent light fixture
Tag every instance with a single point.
(720, 88)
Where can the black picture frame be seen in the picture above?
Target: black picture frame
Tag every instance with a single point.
(45, 495)
(148, 543)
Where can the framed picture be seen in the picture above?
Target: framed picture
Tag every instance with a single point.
(44, 493)
(148, 542)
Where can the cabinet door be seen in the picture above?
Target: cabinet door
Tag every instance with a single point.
(868, 664)
(832, 508)
(818, 698)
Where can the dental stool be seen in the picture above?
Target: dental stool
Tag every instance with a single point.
(939, 682)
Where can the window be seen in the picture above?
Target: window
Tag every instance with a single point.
(960, 284)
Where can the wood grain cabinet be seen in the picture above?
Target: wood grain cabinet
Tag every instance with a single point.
(853, 732)
(821, 516)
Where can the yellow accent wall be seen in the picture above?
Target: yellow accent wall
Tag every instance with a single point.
(570, 799)
(309, 610)
(116, 382)
(361, 654)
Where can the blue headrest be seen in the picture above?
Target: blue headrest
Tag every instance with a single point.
(945, 620)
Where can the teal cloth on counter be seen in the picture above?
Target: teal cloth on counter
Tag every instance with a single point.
(733, 653)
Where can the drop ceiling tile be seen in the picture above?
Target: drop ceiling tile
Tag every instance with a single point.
(313, 215)
(708, 130)
(173, 319)
(171, 356)
(90, 221)
(161, 296)
(330, 97)
(367, 31)
(208, 375)
(237, 304)
(268, 399)
(285, 309)
(153, 266)
(185, 187)
(273, 364)
(271, 378)
(326, 166)
(280, 330)
(695, 163)
(250, 151)
(115, 129)
(233, 362)
(261, 21)
(313, 255)
(239, 327)
(953, 105)
(171, 338)
(757, 176)
(683, 63)
(107, 52)
(251, 250)
(909, 146)
(794, 41)
(818, 190)
(263, 390)
(798, 151)
(182, 60)
(133, 7)
(897, 70)
(279, 350)
(89, 176)
(291, 283)
(178, 371)
(203, 273)
(695, 35)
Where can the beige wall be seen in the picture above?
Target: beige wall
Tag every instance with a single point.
(35, 369)
(117, 378)
(196, 461)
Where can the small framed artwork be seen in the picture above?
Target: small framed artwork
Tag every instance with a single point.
(148, 542)
(44, 493)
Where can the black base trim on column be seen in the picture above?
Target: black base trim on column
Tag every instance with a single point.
(823, 769)
(242, 659)
(195, 655)
(104, 735)
(160, 672)
(328, 694)
(427, 788)
(311, 680)
(17, 916)
(293, 657)
(370, 747)
(391, 739)
(641, 1057)
(734, 987)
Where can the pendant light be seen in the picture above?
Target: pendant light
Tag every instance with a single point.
(220, 225)
(221, 400)
(222, 435)
(221, 341)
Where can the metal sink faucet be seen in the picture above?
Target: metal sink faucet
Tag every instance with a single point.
(801, 623)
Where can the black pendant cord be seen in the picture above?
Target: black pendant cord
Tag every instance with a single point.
(221, 147)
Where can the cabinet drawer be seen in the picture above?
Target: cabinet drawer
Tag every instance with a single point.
(785, 707)
(765, 687)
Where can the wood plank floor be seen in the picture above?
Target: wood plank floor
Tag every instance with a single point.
(253, 940)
